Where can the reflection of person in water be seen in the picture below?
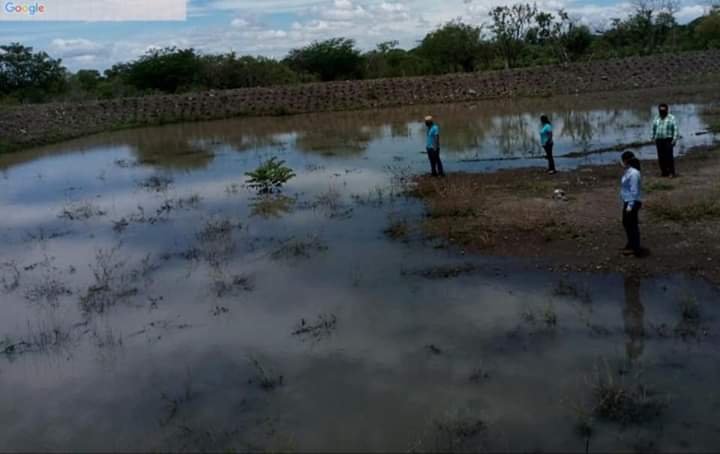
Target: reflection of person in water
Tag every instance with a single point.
(633, 315)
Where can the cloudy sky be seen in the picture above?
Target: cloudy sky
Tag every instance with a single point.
(272, 27)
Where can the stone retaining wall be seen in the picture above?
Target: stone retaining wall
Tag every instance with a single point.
(25, 126)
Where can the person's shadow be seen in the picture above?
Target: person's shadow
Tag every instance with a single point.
(633, 316)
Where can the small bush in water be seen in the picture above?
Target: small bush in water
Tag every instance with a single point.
(270, 176)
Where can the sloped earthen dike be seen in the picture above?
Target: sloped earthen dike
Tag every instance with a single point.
(26, 126)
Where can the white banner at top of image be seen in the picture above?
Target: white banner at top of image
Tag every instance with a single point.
(93, 10)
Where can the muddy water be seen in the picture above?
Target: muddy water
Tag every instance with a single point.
(152, 302)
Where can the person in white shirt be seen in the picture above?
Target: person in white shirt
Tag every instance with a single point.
(631, 195)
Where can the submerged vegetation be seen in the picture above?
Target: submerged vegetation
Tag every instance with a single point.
(618, 400)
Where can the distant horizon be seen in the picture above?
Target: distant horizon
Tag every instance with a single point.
(271, 28)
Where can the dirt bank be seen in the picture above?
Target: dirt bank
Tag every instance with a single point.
(27, 126)
(514, 213)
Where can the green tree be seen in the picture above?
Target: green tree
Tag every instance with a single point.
(651, 26)
(576, 41)
(88, 79)
(561, 35)
(454, 46)
(28, 75)
(387, 60)
(511, 24)
(230, 71)
(333, 59)
(707, 31)
(170, 70)
(544, 30)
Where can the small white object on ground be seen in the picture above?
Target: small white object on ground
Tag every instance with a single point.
(559, 194)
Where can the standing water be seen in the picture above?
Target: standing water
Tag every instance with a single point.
(152, 302)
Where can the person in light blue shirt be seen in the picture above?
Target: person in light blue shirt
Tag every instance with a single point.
(433, 147)
(631, 195)
(546, 140)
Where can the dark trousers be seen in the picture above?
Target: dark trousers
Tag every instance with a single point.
(436, 166)
(549, 156)
(632, 227)
(666, 158)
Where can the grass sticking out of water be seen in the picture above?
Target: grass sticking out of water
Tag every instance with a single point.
(299, 248)
(156, 183)
(457, 431)
(41, 338)
(113, 283)
(265, 379)
(81, 211)
(399, 229)
(318, 330)
(690, 318)
(570, 290)
(626, 403)
(9, 276)
(238, 283)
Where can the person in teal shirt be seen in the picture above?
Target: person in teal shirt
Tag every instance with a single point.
(433, 147)
(546, 140)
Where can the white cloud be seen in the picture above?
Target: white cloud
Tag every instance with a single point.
(689, 12)
(253, 26)
(78, 51)
(240, 22)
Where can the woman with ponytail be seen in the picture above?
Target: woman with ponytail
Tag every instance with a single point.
(631, 194)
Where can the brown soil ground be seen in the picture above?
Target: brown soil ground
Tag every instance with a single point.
(514, 214)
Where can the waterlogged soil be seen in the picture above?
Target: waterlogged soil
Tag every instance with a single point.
(572, 220)
(152, 302)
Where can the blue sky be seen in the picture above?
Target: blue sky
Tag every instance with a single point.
(272, 27)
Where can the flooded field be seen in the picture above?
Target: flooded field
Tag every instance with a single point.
(152, 302)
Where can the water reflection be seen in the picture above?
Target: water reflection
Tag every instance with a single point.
(271, 206)
(171, 151)
(633, 318)
(516, 135)
(330, 141)
(485, 130)
(208, 284)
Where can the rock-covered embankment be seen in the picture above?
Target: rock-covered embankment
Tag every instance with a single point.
(25, 126)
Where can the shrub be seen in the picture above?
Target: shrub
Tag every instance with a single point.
(270, 176)
(333, 59)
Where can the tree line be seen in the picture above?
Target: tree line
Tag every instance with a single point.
(518, 35)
